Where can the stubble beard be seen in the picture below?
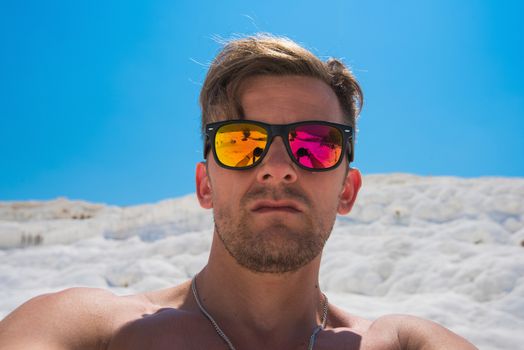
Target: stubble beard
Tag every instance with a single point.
(277, 247)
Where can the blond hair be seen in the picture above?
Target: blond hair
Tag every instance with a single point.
(265, 54)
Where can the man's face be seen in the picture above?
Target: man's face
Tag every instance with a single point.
(276, 217)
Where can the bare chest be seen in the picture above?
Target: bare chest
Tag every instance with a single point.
(171, 330)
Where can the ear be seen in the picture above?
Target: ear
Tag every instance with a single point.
(350, 190)
(203, 186)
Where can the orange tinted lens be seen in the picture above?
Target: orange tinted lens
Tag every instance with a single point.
(240, 145)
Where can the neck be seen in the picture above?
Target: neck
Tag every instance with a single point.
(260, 307)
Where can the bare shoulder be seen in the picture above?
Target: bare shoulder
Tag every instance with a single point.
(418, 333)
(176, 323)
(73, 318)
(348, 331)
(339, 318)
(391, 332)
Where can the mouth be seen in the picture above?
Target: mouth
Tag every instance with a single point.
(262, 207)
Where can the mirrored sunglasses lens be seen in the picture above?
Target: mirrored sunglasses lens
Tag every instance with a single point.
(316, 146)
(240, 145)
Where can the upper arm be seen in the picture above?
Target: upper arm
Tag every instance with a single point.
(73, 318)
(420, 334)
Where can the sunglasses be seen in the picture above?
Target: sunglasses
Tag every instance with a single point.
(312, 145)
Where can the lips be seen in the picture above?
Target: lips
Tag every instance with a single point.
(276, 207)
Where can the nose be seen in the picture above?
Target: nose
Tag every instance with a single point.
(277, 167)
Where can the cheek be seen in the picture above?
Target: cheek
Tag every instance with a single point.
(227, 187)
(332, 202)
(328, 194)
(329, 183)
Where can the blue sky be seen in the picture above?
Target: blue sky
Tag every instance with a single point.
(99, 99)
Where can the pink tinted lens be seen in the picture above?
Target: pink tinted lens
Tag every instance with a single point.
(316, 146)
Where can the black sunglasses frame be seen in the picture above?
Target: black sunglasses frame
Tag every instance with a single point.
(283, 131)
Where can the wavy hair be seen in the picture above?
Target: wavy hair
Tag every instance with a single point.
(265, 54)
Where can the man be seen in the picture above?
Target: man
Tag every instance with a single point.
(279, 130)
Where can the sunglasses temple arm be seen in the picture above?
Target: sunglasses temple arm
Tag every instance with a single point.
(206, 146)
(351, 151)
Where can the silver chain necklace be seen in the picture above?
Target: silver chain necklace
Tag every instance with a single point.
(226, 339)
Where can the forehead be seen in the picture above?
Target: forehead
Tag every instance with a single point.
(287, 99)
